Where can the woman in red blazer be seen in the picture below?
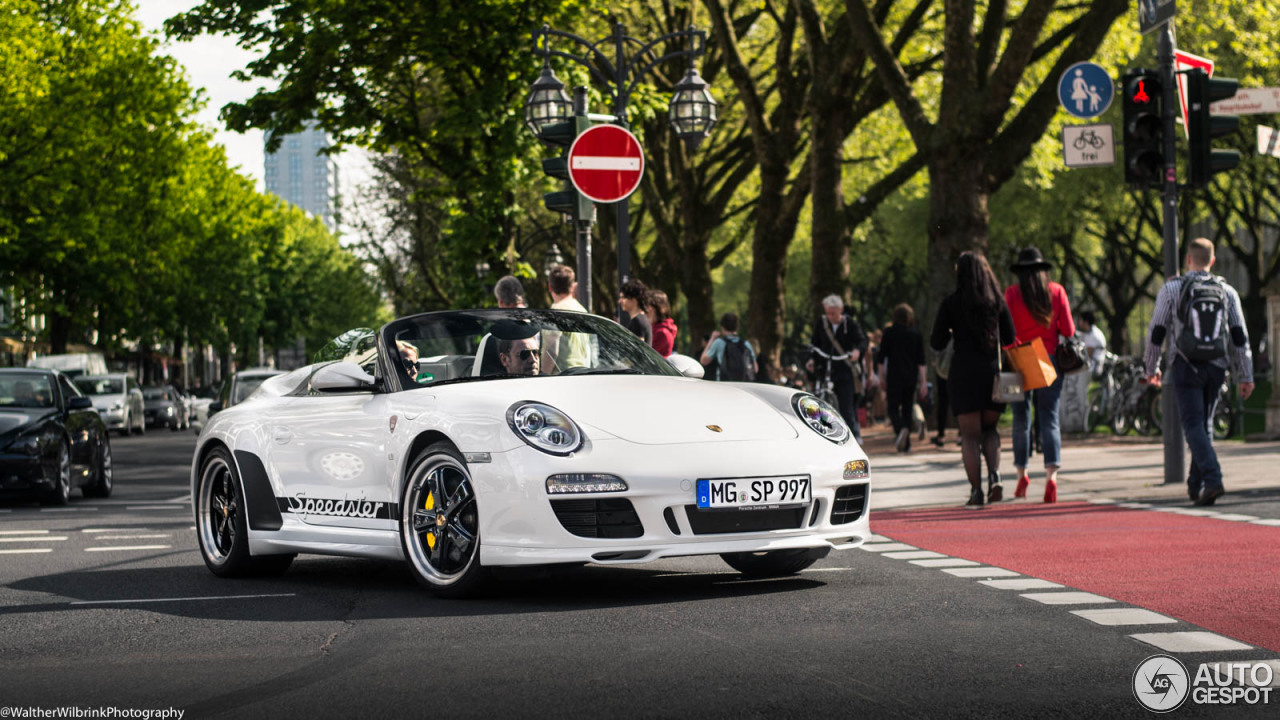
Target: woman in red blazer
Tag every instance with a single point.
(1040, 309)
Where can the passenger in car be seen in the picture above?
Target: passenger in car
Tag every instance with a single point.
(519, 357)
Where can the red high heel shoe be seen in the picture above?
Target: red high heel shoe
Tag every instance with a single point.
(1051, 491)
(1021, 490)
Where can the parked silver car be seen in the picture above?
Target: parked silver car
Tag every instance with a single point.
(165, 407)
(118, 399)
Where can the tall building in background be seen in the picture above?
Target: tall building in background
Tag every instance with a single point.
(301, 174)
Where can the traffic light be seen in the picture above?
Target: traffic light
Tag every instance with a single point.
(1204, 126)
(1143, 128)
(567, 201)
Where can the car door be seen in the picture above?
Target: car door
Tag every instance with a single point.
(328, 452)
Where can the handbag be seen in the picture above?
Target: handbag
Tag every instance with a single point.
(1008, 385)
(1032, 361)
(943, 367)
(1071, 354)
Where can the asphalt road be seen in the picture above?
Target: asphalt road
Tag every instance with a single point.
(115, 609)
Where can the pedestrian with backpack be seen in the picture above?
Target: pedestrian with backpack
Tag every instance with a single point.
(734, 358)
(1201, 316)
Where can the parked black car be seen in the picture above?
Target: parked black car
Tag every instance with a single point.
(51, 438)
(165, 407)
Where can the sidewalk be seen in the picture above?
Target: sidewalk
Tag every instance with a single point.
(1093, 466)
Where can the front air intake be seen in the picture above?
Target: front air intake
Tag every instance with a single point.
(850, 502)
(599, 517)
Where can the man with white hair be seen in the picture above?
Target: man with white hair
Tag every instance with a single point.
(837, 334)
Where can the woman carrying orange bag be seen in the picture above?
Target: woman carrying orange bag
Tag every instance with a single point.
(1040, 309)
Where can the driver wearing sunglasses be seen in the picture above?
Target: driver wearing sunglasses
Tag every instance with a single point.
(519, 357)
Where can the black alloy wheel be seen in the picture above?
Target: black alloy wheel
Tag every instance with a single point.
(221, 527)
(440, 524)
(60, 471)
(102, 476)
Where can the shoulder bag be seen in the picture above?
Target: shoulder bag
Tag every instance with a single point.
(1071, 354)
(854, 365)
(1008, 385)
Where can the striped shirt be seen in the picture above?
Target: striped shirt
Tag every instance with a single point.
(1166, 317)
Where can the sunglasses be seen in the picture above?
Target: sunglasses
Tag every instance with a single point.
(525, 354)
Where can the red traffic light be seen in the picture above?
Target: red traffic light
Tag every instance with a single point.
(1140, 95)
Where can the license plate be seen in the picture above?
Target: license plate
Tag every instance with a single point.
(752, 493)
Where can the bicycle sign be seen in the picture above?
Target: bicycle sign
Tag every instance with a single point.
(1088, 145)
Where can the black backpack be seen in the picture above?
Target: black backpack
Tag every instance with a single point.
(1202, 312)
(736, 365)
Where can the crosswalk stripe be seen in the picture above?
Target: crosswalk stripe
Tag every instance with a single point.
(1123, 616)
(26, 551)
(127, 547)
(1180, 642)
(976, 572)
(34, 538)
(1066, 598)
(24, 532)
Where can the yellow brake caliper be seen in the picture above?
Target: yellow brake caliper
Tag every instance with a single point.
(431, 536)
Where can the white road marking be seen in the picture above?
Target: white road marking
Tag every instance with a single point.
(24, 532)
(1134, 505)
(945, 562)
(128, 547)
(1103, 501)
(35, 538)
(180, 599)
(1233, 517)
(1066, 598)
(130, 537)
(816, 570)
(26, 551)
(181, 499)
(976, 572)
(1021, 584)
(1193, 512)
(1271, 522)
(1123, 616)
(1180, 642)
(879, 538)
(119, 529)
(155, 507)
(885, 547)
(599, 162)
(70, 509)
(914, 555)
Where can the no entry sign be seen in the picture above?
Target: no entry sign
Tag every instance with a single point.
(605, 163)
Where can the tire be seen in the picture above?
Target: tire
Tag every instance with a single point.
(776, 563)
(221, 528)
(1094, 411)
(1121, 423)
(1155, 412)
(440, 524)
(61, 493)
(126, 427)
(142, 426)
(1142, 417)
(1224, 421)
(103, 476)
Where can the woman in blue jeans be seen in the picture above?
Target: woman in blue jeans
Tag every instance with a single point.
(1040, 309)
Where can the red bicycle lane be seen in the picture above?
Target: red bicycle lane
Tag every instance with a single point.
(1218, 574)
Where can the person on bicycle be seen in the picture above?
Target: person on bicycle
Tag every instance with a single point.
(1201, 316)
(837, 334)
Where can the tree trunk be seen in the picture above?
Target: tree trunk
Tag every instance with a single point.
(774, 231)
(829, 274)
(59, 331)
(959, 220)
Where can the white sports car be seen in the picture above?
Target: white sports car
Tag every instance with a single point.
(461, 441)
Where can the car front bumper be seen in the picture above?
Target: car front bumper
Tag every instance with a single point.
(23, 474)
(521, 524)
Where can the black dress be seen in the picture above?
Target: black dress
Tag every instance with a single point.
(973, 366)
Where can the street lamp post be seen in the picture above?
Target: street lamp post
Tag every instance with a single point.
(692, 113)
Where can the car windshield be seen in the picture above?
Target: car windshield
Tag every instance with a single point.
(438, 348)
(245, 386)
(100, 385)
(25, 390)
(153, 393)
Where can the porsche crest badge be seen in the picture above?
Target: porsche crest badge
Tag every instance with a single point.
(715, 428)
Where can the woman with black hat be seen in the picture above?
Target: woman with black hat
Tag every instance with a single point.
(976, 317)
(1040, 309)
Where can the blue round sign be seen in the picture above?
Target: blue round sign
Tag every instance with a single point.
(1085, 90)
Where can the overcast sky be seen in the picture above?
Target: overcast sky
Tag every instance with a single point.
(209, 62)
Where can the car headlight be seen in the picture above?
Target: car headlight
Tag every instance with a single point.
(544, 428)
(26, 445)
(168, 410)
(821, 417)
(117, 406)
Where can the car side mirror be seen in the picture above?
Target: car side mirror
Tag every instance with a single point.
(686, 365)
(214, 407)
(79, 403)
(342, 376)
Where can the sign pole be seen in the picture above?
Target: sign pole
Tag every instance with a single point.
(582, 226)
(1175, 459)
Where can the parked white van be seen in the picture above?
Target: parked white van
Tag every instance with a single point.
(72, 364)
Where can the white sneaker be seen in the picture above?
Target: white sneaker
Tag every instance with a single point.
(904, 435)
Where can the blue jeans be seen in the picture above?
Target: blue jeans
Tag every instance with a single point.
(1046, 400)
(1196, 387)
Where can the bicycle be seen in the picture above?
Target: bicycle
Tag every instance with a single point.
(1098, 410)
(823, 387)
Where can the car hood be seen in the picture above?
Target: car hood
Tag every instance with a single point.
(12, 423)
(652, 410)
(104, 402)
